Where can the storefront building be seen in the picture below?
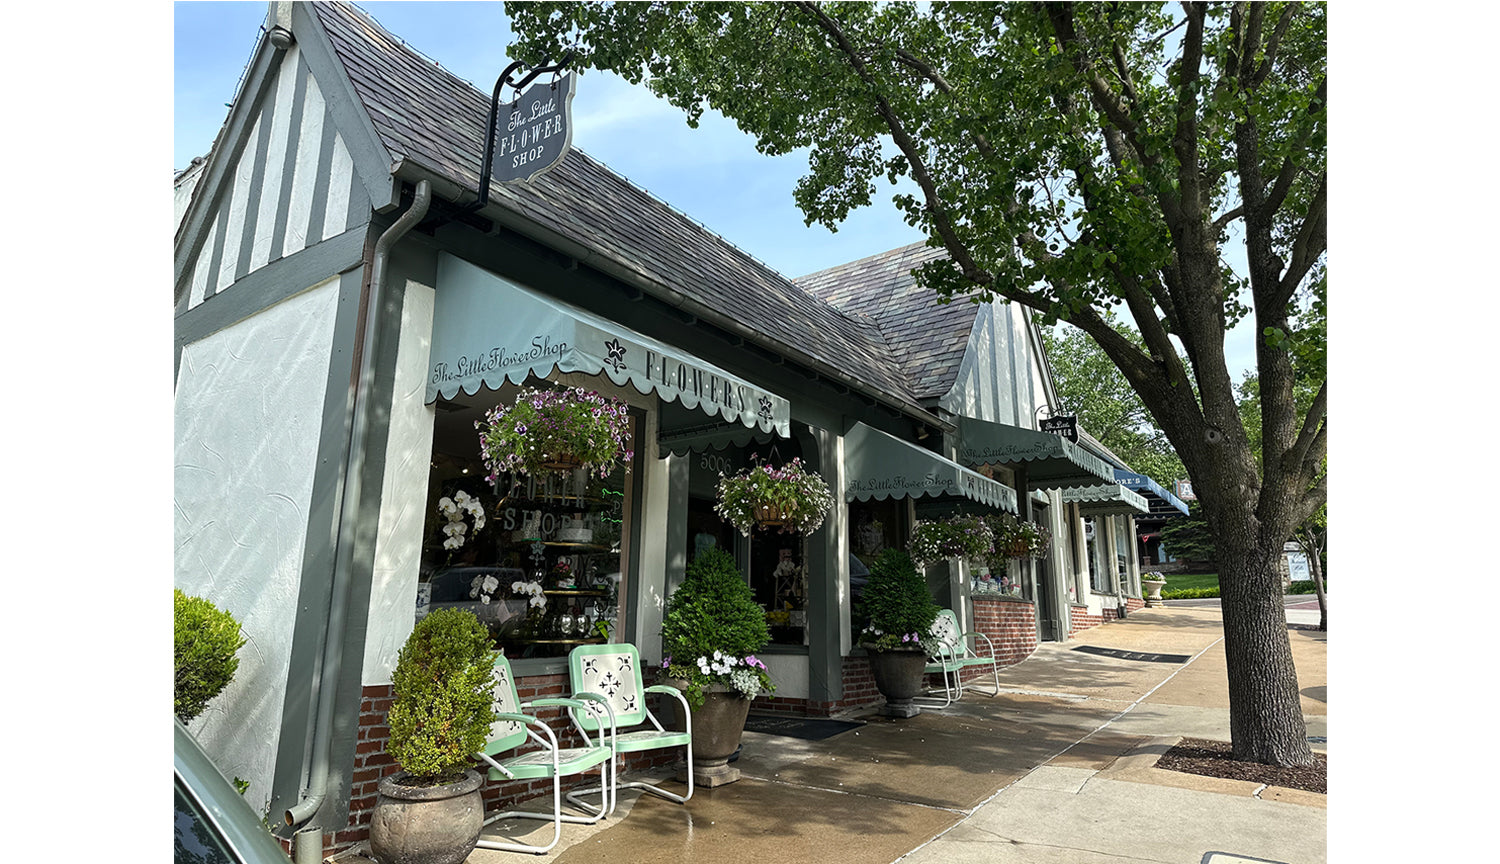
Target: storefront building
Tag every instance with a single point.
(342, 319)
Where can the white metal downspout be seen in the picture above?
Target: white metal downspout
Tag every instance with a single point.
(327, 676)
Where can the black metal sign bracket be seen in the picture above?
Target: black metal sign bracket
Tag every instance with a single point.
(489, 132)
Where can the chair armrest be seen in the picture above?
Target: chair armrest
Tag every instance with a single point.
(579, 701)
(986, 639)
(518, 718)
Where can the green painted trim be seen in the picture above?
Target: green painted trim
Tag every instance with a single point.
(294, 739)
(372, 162)
(216, 180)
(268, 286)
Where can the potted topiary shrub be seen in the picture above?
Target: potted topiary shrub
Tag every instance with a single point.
(709, 635)
(205, 639)
(431, 812)
(897, 638)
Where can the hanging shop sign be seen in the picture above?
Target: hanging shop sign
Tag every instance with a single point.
(533, 133)
(1065, 426)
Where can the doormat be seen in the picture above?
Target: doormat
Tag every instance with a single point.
(807, 728)
(1133, 655)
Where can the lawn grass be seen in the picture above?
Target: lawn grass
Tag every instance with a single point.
(1190, 581)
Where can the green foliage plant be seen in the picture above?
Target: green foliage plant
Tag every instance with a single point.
(712, 629)
(1016, 538)
(898, 606)
(205, 639)
(443, 703)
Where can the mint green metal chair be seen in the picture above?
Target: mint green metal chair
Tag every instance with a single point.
(513, 728)
(613, 673)
(954, 655)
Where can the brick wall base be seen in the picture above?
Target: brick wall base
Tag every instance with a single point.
(1080, 619)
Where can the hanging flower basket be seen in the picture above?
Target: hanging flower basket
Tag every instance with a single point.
(1017, 539)
(967, 537)
(555, 430)
(762, 496)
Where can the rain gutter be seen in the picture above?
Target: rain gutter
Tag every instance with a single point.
(327, 676)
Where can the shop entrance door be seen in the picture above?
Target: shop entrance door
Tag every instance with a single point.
(1044, 591)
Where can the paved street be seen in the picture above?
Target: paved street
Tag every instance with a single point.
(1056, 769)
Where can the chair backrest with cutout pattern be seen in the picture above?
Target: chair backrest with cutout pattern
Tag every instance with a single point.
(505, 734)
(613, 671)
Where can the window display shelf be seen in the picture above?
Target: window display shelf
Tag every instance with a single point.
(573, 544)
(576, 592)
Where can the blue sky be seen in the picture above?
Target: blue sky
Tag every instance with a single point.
(712, 173)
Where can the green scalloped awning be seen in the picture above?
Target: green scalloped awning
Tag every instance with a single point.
(878, 465)
(1109, 499)
(487, 330)
(1051, 461)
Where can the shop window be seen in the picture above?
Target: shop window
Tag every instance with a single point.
(874, 526)
(1093, 540)
(779, 580)
(552, 556)
(1122, 547)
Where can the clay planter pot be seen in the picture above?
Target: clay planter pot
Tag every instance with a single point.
(899, 678)
(426, 824)
(1153, 592)
(717, 727)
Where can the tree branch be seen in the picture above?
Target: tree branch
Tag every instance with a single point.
(1282, 25)
(1185, 139)
(927, 71)
(1224, 220)
(942, 221)
(1291, 166)
(1312, 241)
(1313, 428)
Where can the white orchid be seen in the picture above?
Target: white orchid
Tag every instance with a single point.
(454, 509)
(484, 587)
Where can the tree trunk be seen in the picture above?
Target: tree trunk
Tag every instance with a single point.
(1265, 709)
(1315, 561)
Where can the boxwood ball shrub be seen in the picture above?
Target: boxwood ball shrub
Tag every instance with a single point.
(442, 710)
(897, 603)
(205, 639)
(713, 615)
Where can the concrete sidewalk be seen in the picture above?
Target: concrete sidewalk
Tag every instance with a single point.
(1058, 767)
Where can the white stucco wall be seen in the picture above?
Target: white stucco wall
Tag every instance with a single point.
(403, 497)
(249, 409)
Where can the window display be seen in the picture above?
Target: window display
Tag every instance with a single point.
(540, 559)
